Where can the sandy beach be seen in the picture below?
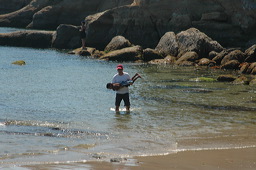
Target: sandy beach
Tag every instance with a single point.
(227, 159)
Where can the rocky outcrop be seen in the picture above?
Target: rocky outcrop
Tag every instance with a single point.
(22, 17)
(36, 39)
(49, 14)
(8, 6)
(143, 22)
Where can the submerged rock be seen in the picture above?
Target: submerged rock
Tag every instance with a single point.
(241, 80)
(88, 51)
(226, 78)
(253, 82)
(19, 62)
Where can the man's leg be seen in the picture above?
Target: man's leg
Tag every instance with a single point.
(118, 101)
(126, 99)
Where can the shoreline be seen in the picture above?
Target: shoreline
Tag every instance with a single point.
(222, 159)
(235, 151)
(242, 158)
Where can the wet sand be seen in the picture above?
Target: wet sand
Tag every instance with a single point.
(227, 159)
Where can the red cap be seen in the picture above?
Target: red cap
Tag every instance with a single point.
(119, 67)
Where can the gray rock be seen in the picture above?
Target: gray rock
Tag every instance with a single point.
(117, 43)
(66, 37)
(168, 44)
(194, 40)
(126, 54)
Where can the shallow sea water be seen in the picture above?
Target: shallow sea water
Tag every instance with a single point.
(56, 109)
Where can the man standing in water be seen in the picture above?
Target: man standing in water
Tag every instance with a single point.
(122, 93)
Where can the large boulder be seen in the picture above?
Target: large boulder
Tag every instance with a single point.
(194, 40)
(117, 43)
(126, 54)
(168, 45)
(66, 37)
(36, 39)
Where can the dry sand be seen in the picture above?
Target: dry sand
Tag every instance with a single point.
(227, 159)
